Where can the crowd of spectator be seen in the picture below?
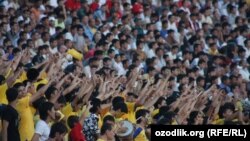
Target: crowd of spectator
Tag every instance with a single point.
(105, 70)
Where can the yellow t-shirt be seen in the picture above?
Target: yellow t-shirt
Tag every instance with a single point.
(21, 78)
(139, 108)
(100, 140)
(26, 124)
(8, 73)
(68, 111)
(43, 81)
(131, 111)
(174, 122)
(141, 137)
(219, 121)
(77, 55)
(3, 98)
(43, 75)
(155, 112)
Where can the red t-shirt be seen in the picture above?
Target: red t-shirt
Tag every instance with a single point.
(109, 3)
(137, 8)
(94, 6)
(73, 5)
(76, 133)
(89, 54)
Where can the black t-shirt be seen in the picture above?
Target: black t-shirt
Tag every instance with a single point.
(10, 114)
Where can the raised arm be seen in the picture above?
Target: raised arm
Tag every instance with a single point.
(39, 93)
(11, 79)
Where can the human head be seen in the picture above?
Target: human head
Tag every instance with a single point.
(21, 89)
(96, 105)
(107, 62)
(131, 97)
(47, 111)
(106, 130)
(58, 131)
(120, 109)
(51, 92)
(109, 119)
(226, 111)
(160, 102)
(195, 118)
(142, 116)
(11, 94)
(32, 74)
(72, 120)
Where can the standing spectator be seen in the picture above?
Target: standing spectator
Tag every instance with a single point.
(106, 132)
(10, 117)
(47, 114)
(75, 125)
(90, 126)
(57, 132)
(142, 117)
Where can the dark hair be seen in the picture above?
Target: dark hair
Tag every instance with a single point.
(200, 78)
(57, 128)
(108, 118)
(120, 106)
(117, 99)
(96, 103)
(125, 61)
(192, 116)
(132, 94)
(106, 127)
(201, 62)
(61, 100)
(11, 94)
(140, 113)
(2, 79)
(32, 74)
(159, 101)
(72, 120)
(44, 108)
(91, 60)
(245, 42)
(16, 50)
(180, 77)
(225, 107)
(106, 59)
(163, 110)
(50, 91)
(18, 85)
(150, 69)
(138, 42)
(224, 78)
(167, 118)
(110, 51)
(98, 52)
(52, 40)
(36, 104)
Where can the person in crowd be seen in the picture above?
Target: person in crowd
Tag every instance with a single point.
(182, 62)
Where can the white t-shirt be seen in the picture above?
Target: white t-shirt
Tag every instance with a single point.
(87, 71)
(150, 53)
(119, 68)
(43, 129)
(53, 3)
(69, 36)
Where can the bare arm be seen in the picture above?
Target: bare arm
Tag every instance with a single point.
(16, 62)
(35, 137)
(10, 80)
(39, 93)
(5, 130)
